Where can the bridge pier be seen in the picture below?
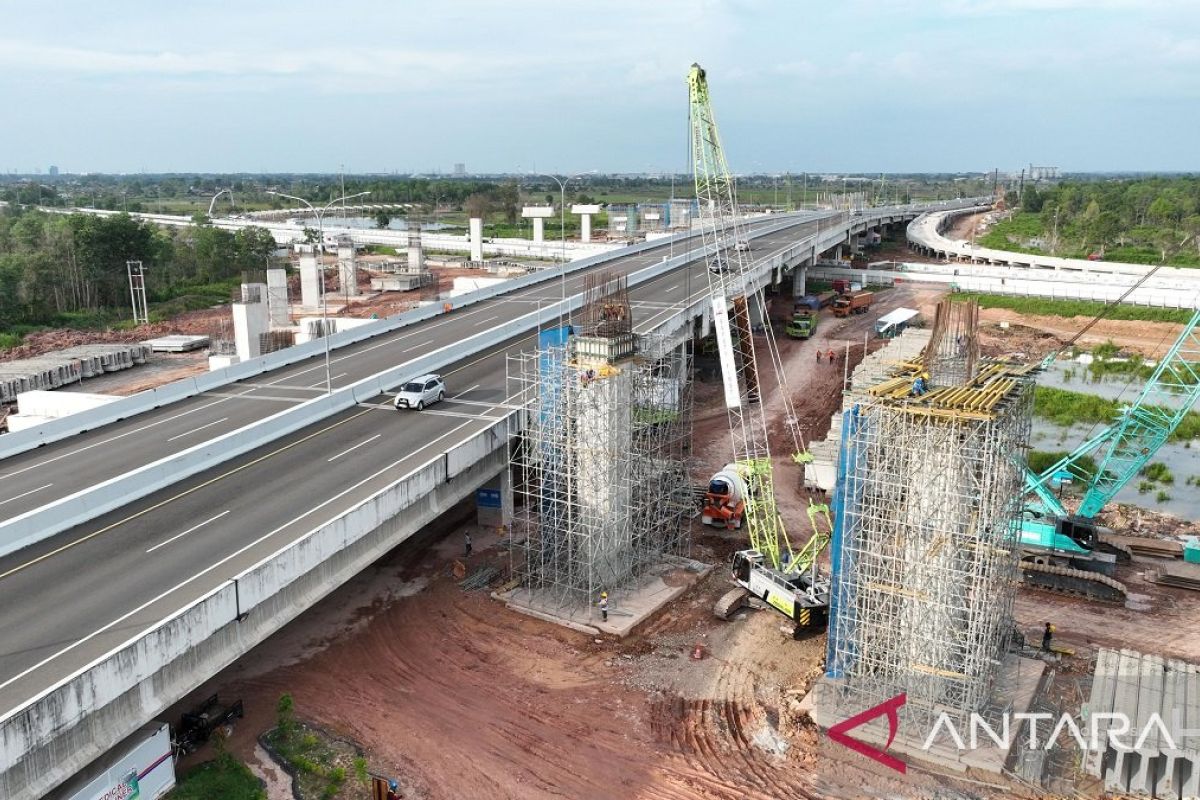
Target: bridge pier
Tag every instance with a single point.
(67, 728)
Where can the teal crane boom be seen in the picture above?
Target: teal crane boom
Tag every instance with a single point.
(1123, 449)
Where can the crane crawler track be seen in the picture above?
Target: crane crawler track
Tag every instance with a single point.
(1078, 582)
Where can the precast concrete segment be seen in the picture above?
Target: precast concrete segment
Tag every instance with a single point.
(1149, 745)
(144, 438)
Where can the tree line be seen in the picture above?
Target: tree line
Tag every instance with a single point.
(1145, 220)
(57, 265)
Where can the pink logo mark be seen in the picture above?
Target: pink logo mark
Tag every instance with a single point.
(888, 707)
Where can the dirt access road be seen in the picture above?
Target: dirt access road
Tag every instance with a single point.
(460, 698)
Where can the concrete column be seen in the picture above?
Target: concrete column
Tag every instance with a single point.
(585, 220)
(250, 321)
(494, 502)
(277, 298)
(416, 256)
(758, 314)
(476, 233)
(539, 230)
(347, 269)
(799, 280)
(310, 281)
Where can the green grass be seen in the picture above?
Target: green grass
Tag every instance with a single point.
(226, 778)
(1073, 308)
(1157, 471)
(1064, 407)
(1014, 233)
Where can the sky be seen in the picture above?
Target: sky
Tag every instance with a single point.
(519, 87)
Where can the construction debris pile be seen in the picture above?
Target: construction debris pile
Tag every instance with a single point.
(925, 558)
(602, 492)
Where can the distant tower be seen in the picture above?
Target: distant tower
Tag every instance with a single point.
(460, 169)
(53, 170)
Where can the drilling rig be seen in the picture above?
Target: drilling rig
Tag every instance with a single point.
(770, 569)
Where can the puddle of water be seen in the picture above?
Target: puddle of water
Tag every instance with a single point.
(1184, 462)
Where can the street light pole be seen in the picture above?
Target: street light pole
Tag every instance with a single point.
(562, 235)
(319, 214)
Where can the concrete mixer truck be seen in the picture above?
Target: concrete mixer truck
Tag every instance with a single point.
(725, 499)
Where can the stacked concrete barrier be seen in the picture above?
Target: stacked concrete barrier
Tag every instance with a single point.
(63, 367)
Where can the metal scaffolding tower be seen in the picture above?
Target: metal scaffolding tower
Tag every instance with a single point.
(926, 545)
(599, 478)
(137, 292)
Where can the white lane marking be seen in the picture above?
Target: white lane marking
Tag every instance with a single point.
(224, 560)
(355, 447)
(319, 384)
(464, 391)
(258, 397)
(202, 427)
(415, 346)
(489, 319)
(26, 494)
(672, 288)
(189, 530)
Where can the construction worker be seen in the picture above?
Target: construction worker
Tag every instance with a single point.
(818, 355)
(467, 543)
(1046, 636)
(604, 606)
(831, 356)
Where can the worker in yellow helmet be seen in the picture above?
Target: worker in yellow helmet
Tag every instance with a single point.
(604, 606)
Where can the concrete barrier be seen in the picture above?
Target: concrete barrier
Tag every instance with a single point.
(56, 733)
(14, 443)
(43, 522)
(64, 727)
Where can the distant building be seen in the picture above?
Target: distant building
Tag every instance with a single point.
(1042, 173)
(53, 170)
(460, 169)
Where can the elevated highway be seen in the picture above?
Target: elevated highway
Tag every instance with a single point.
(109, 622)
(970, 267)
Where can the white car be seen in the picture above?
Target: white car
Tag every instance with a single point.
(420, 392)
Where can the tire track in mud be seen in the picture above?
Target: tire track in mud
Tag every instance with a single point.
(715, 740)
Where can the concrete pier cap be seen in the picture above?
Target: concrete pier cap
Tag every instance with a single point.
(538, 214)
(585, 225)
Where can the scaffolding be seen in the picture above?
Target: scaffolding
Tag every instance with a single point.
(599, 474)
(622, 220)
(926, 551)
(137, 292)
(680, 213)
(652, 216)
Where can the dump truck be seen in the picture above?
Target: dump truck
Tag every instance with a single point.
(857, 303)
(803, 324)
(815, 302)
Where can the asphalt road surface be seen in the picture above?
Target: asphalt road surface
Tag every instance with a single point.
(79, 594)
(41, 476)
